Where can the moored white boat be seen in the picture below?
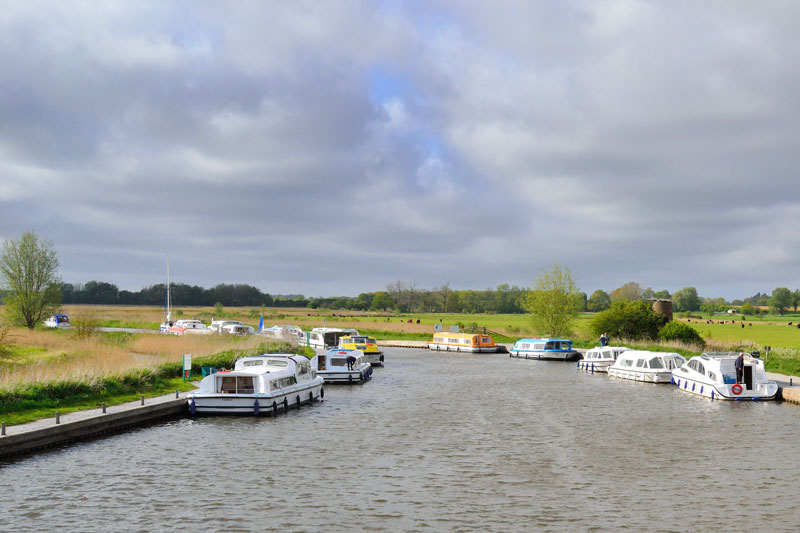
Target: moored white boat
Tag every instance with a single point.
(333, 366)
(322, 339)
(286, 332)
(259, 384)
(642, 365)
(544, 349)
(713, 375)
(182, 327)
(599, 358)
(237, 329)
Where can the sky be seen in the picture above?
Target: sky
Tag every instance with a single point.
(329, 148)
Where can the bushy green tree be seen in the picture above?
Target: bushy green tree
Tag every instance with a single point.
(781, 300)
(598, 301)
(681, 332)
(628, 320)
(629, 292)
(686, 299)
(553, 302)
(29, 270)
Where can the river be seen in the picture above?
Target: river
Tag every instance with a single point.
(435, 442)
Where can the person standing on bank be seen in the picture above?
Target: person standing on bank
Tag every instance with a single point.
(604, 339)
(739, 366)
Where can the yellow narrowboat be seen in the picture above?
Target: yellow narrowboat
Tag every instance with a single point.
(462, 342)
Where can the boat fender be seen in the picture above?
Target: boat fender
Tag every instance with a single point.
(350, 378)
(275, 408)
(285, 404)
(712, 394)
(381, 358)
(298, 400)
(685, 385)
(192, 407)
(310, 397)
(255, 407)
(592, 368)
(693, 384)
(701, 389)
(736, 389)
(672, 380)
(321, 392)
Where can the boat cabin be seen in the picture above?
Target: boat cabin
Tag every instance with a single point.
(57, 321)
(462, 342)
(328, 338)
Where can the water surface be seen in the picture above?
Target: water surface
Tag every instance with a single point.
(435, 442)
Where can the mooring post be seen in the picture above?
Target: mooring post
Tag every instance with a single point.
(104, 407)
(142, 399)
(58, 417)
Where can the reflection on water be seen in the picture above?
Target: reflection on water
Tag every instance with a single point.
(439, 441)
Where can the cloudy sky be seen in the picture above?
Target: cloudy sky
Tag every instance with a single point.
(333, 147)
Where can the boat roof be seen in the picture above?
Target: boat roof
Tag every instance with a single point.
(335, 330)
(543, 339)
(59, 315)
(344, 351)
(647, 353)
(721, 355)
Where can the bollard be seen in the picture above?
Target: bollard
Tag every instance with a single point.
(3, 429)
(58, 417)
(104, 407)
(142, 400)
(176, 393)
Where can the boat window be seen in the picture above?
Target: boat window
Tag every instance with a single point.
(486, 340)
(640, 363)
(538, 346)
(303, 368)
(321, 362)
(712, 375)
(227, 385)
(274, 385)
(370, 340)
(244, 385)
(550, 346)
(701, 368)
(253, 362)
(280, 364)
(338, 361)
(655, 362)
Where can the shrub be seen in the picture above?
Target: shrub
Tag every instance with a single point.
(628, 320)
(680, 332)
(84, 324)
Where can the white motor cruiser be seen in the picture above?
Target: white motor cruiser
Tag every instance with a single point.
(641, 365)
(259, 384)
(328, 338)
(713, 375)
(343, 366)
(598, 359)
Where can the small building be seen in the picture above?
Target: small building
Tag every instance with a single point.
(663, 306)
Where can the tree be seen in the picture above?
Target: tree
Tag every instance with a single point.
(381, 301)
(781, 300)
(628, 320)
(29, 269)
(629, 292)
(553, 302)
(664, 295)
(686, 299)
(598, 301)
(678, 331)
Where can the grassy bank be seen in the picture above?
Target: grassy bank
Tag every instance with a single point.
(25, 401)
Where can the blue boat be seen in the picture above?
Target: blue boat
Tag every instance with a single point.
(545, 350)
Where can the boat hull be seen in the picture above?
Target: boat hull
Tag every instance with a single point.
(464, 349)
(348, 377)
(594, 366)
(639, 375)
(714, 391)
(540, 355)
(245, 404)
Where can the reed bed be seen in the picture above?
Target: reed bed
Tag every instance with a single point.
(66, 358)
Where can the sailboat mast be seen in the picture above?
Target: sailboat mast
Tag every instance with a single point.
(168, 309)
